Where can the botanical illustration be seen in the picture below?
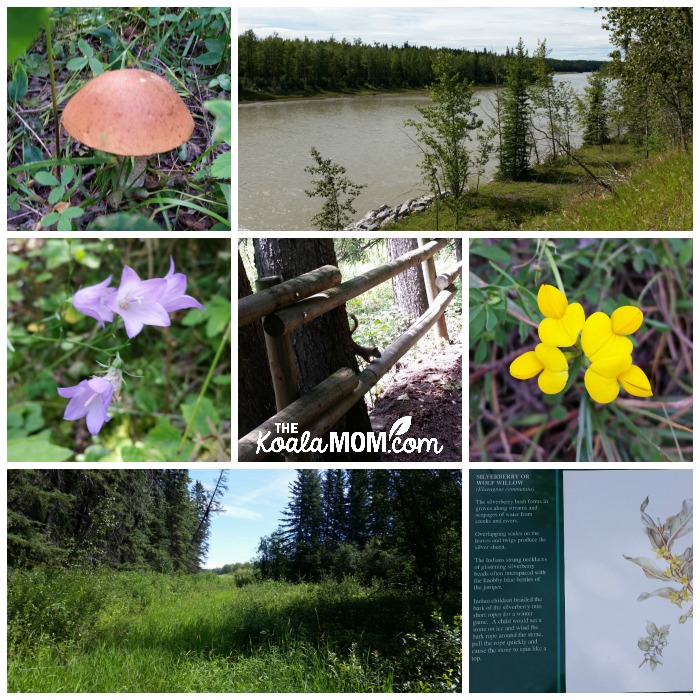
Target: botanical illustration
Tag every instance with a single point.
(679, 570)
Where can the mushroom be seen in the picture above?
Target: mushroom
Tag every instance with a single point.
(128, 112)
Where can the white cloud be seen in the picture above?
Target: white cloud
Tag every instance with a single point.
(241, 513)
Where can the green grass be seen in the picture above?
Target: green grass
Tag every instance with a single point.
(111, 631)
(656, 195)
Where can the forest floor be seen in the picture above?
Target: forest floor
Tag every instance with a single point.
(430, 392)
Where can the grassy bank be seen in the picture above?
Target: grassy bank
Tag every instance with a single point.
(106, 631)
(317, 94)
(655, 195)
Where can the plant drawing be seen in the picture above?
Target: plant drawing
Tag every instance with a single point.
(679, 570)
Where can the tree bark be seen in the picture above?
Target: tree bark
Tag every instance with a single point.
(256, 398)
(322, 346)
(409, 291)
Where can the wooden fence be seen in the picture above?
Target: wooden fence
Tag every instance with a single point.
(288, 305)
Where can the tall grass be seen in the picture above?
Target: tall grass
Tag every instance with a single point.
(106, 631)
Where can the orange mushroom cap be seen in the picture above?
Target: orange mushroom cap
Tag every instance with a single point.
(128, 112)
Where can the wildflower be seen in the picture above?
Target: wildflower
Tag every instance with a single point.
(604, 335)
(91, 301)
(563, 321)
(604, 376)
(174, 297)
(138, 302)
(547, 361)
(90, 398)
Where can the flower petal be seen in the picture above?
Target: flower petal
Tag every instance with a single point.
(552, 382)
(552, 358)
(626, 320)
(597, 330)
(612, 366)
(573, 321)
(601, 389)
(635, 382)
(552, 331)
(526, 366)
(551, 301)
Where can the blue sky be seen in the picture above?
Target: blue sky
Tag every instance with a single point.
(253, 504)
(571, 32)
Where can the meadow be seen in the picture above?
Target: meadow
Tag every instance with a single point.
(102, 630)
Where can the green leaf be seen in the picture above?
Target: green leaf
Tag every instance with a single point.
(15, 264)
(558, 412)
(221, 109)
(221, 167)
(218, 315)
(36, 449)
(223, 80)
(43, 177)
(206, 410)
(133, 454)
(686, 254)
(22, 25)
(491, 252)
(67, 176)
(72, 213)
(482, 352)
(55, 195)
(477, 324)
(85, 48)
(145, 400)
(77, 63)
(49, 219)
(17, 89)
(96, 67)
(164, 438)
(491, 319)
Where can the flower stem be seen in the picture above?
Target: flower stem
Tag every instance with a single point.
(555, 270)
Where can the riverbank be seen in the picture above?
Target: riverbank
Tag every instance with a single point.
(250, 96)
(648, 195)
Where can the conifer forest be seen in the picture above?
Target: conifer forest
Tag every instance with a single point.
(358, 589)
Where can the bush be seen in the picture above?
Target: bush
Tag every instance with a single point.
(434, 658)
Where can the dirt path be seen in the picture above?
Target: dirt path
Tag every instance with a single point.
(430, 392)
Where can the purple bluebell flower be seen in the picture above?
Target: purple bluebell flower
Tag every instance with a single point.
(91, 301)
(174, 297)
(138, 302)
(91, 398)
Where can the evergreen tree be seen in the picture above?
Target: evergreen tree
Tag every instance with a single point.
(516, 144)
(334, 506)
(594, 111)
(381, 518)
(359, 527)
(544, 95)
(304, 522)
(445, 131)
(338, 193)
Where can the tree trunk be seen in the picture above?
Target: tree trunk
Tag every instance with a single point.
(409, 291)
(256, 398)
(322, 346)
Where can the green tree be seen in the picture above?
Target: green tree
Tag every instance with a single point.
(334, 506)
(655, 63)
(516, 143)
(544, 95)
(594, 111)
(359, 507)
(303, 522)
(337, 191)
(445, 132)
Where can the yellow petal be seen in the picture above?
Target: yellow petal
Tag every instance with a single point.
(597, 330)
(635, 382)
(599, 341)
(573, 320)
(612, 366)
(526, 366)
(552, 382)
(552, 358)
(551, 301)
(626, 320)
(601, 389)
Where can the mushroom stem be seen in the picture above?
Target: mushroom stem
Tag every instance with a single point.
(135, 178)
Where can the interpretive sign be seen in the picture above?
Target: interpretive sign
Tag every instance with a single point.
(560, 591)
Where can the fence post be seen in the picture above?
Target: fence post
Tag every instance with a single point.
(429, 274)
(280, 357)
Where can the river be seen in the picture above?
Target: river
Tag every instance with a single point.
(364, 134)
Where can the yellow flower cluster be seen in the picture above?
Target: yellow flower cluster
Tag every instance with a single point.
(603, 340)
